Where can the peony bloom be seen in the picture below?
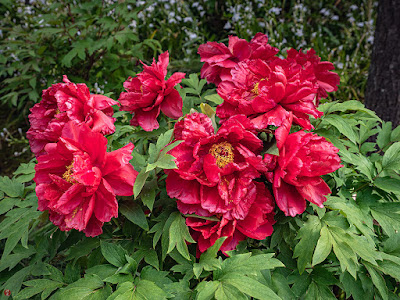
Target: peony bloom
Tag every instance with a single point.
(215, 177)
(77, 180)
(149, 92)
(257, 224)
(63, 102)
(270, 93)
(303, 158)
(219, 59)
(327, 81)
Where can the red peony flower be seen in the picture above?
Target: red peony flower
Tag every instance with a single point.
(63, 102)
(220, 59)
(215, 175)
(149, 92)
(257, 224)
(327, 81)
(269, 92)
(303, 158)
(77, 180)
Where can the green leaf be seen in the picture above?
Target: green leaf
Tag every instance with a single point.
(228, 292)
(167, 161)
(378, 281)
(316, 291)
(208, 260)
(139, 182)
(38, 286)
(151, 258)
(113, 253)
(343, 126)
(178, 235)
(330, 107)
(66, 61)
(134, 213)
(391, 158)
(148, 196)
(324, 246)
(308, 235)
(215, 98)
(82, 248)
(388, 184)
(390, 265)
(353, 213)
(383, 137)
(164, 139)
(149, 290)
(395, 135)
(250, 286)
(387, 215)
(11, 187)
(15, 281)
(247, 264)
(281, 286)
(206, 290)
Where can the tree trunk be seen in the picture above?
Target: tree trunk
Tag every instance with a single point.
(383, 86)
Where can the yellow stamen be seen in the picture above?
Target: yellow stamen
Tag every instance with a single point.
(223, 152)
(67, 176)
(255, 88)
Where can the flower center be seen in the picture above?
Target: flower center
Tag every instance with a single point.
(67, 176)
(255, 88)
(223, 153)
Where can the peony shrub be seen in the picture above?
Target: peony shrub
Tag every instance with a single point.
(241, 172)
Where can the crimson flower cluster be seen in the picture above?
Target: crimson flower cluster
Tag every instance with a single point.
(226, 183)
(77, 180)
(222, 182)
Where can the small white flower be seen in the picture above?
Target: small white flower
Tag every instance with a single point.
(227, 26)
(275, 10)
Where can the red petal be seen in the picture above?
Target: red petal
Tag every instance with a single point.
(289, 200)
(171, 106)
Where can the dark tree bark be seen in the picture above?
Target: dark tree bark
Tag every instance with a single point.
(383, 86)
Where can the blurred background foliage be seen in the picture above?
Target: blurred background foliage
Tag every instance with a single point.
(101, 43)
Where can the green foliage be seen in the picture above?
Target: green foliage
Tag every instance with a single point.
(348, 248)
